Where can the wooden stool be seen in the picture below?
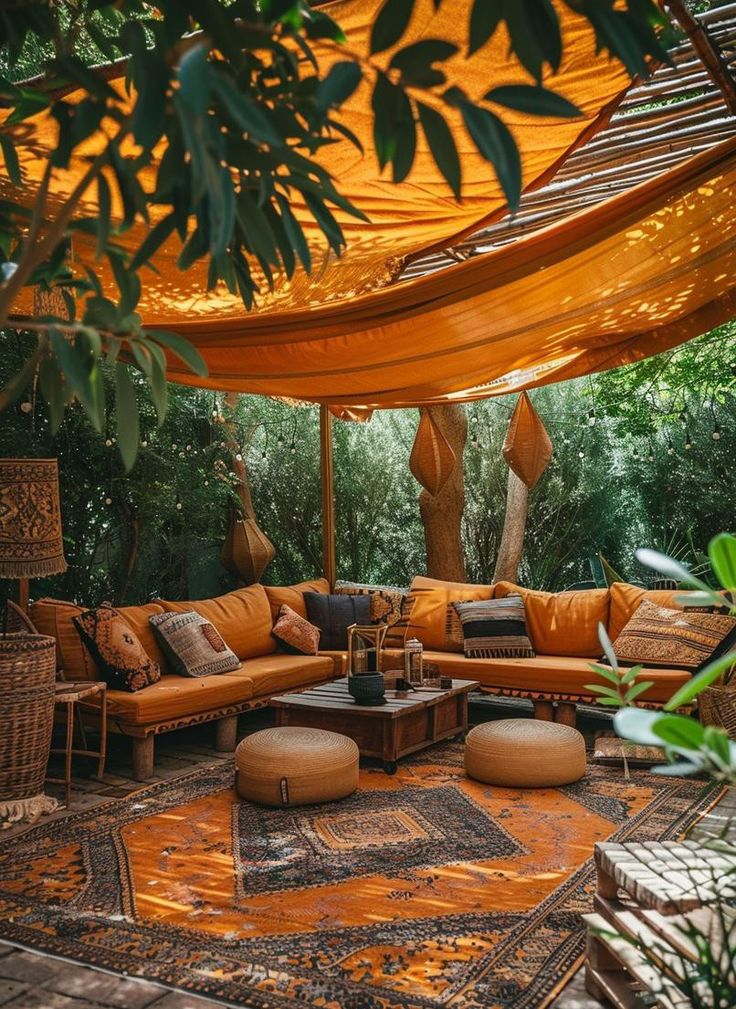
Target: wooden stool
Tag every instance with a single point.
(68, 693)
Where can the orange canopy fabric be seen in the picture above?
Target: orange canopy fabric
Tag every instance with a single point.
(633, 276)
(417, 215)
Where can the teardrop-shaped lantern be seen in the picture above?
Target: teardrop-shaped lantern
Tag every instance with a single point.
(527, 448)
(432, 458)
(247, 551)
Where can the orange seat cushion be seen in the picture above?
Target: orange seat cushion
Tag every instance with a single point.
(177, 697)
(293, 595)
(278, 674)
(428, 602)
(55, 617)
(549, 674)
(562, 623)
(242, 617)
(625, 601)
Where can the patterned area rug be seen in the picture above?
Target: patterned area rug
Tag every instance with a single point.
(421, 891)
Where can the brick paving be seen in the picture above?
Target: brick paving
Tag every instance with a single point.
(35, 981)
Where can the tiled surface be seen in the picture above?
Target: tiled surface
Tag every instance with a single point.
(34, 981)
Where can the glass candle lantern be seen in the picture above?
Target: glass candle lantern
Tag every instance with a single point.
(414, 662)
(364, 648)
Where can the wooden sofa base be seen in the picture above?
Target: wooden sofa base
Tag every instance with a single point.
(226, 731)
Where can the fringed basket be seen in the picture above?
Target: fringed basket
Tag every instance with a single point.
(27, 676)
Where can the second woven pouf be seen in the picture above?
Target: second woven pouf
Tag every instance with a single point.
(294, 766)
(525, 753)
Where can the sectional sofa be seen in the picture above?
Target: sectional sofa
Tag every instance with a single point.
(562, 626)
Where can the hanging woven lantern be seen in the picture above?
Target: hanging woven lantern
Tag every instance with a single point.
(527, 448)
(432, 458)
(247, 551)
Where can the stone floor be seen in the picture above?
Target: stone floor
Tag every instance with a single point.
(35, 981)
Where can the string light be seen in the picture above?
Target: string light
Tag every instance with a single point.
(144, 443)
(688, 440)
(591, 418)
(292, 449)
(26, 406)
(108, 501)
(716, 436)
(108, 442)
(238, 457)
(179, 506)
(670, 447)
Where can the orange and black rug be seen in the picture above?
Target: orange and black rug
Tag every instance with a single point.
(421, 891)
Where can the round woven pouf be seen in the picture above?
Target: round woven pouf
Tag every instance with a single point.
(294, 766)
(525, 753)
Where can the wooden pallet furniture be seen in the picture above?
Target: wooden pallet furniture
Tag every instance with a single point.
(647, 896)
(409, 720)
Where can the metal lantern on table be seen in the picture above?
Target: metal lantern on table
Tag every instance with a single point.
(365, 679)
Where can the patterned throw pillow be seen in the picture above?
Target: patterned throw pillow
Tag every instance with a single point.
(295, 633)
(673, 639)
(495, 629)
(114, 645)
(192, 645)
(333, 614)
(388, 605)
(454, 636)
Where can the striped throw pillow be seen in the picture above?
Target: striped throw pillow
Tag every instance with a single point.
(657, 636)
(495, 629)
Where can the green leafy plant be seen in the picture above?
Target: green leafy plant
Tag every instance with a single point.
(209, 143)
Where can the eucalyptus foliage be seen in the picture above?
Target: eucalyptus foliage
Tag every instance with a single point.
(231, 98)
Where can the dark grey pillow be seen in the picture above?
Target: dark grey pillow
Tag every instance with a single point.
(333, 615)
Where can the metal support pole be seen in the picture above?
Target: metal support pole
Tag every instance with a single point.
(326, 473)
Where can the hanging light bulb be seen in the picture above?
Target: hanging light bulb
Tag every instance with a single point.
(591, 418)
(581, 454)
(26, 406)
(179, 506)
(173, 447)
(144, 443)
(716, 436)
(108, 442)
(108, 501)
(670, 447)
(292, 449)
(688, 440)
(280, 440)
(238, 457)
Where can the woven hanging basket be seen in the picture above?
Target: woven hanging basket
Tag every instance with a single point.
(247, 551)
(527, 448)
(27, 677)
(432, 458)
(717, 707)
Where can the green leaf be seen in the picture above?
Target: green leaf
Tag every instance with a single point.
(722, 553)
(607, 647)
(126, 413)
(484, 19)
(339, 84)
(607, 674)
(153, 241)
(17, 385)
(709, 674)
(717, 741)
(104, 214)
(636, 724)
(638, 688)
(194, 80)
(12, 164)
(496, 144)
(294, 233)
(391, 23)
(676, 730)
(159, 388)
(630, 674)
(598, 688)
(534, 100)
(406, 140)
(53, 389)
(442, 146)
(415, 61)
(182, 348)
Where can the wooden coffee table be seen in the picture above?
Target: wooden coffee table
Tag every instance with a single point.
(404, 724)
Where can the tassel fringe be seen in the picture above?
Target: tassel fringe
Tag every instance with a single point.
(500, 653)
(34, 569)
(25, 810)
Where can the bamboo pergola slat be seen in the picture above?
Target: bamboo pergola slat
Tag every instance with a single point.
(680, 111)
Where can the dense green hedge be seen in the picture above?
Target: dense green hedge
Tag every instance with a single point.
(126, 539)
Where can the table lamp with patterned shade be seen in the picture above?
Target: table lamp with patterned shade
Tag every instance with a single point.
(31, 544)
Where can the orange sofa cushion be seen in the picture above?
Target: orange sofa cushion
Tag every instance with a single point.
(428, 604)
(625, 600)
(56, 618)
(548, 674)
(562, 623)
(279, 674)
(293, 595)
(177, 697)
(242, 617)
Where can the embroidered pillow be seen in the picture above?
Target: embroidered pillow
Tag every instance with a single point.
(673, 639)
(115, 647)
(495, 629)
(296, 634)
(333, 614)
(192, 645)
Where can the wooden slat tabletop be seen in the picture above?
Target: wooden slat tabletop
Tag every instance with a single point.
(335, 696)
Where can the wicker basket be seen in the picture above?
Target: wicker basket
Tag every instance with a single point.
(27, 676)
(717, 707)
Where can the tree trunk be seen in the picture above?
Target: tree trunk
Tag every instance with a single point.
(514, 527)
(442, 514)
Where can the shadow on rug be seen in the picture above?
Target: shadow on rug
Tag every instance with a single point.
(422, 890)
